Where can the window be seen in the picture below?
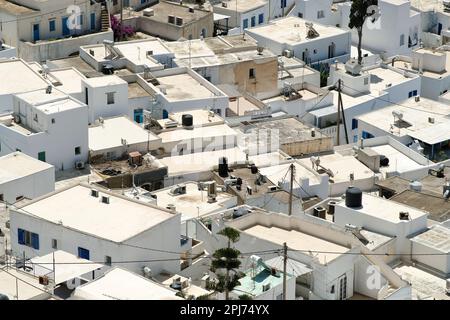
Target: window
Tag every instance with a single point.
(366, 135)
(300, 15)
(354, 124)
(28, 238)
(17, 149)
(77, 150)
(80, 19)
(93, 21)
(253, 21)
(41, 156)
(320, 14)
(343, 288)
(83, 253)
(110, 97)
(283, 3)
(108, 260)
(54, 244)
(86, 95)
(402, 40)
(245, 25)
(53, 120)
(52, 25)
(251, 73)
(366, 81)
(143, 1)
(355, 138)
(412, 93)
(261, 18)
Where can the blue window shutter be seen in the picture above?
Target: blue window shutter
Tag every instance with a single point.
(354, 124)
(83, 253)
(35, 241)
(21, 236)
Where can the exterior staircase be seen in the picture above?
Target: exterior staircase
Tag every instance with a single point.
(105, 21)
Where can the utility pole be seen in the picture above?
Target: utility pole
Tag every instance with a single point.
(284, 269)
(292, 168)
(339, 112)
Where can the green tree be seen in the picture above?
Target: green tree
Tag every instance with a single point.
(228, 259)
(359, 12)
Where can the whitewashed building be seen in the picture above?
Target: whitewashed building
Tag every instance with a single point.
(22, 176)
(49, 126)
(90, 223)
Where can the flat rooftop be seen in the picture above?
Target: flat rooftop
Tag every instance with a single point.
(163, 9)
(202, 161)
(17, 165)
(438, 238)
(68, 80)
(135, 90)
(120, 284)
(292, 31)
(110, 133)
(436, 205)
(290, 130)
(75, 208)
(199, 117)
(21, 77)
(426, 73)
(398, 162)
(180, 87)
(415, 119)
(342, 167)
(371, 206)
(241, 6)
(15, 9)
(193, 203)
(278, 173)
(77, 63)
(298, 241)
(241, 106)
(105, 81)
(425, 286)
(381, 77)
(51, 103)
(181, 134)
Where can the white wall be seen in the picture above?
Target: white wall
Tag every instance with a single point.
(32, 186)
(97, 100)
(164, 236)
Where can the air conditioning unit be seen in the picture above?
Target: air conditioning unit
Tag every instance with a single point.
(43, 280)
(179, 189)
(288, 53)
(79, 165)
(149, 12)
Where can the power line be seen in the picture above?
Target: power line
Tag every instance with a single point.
(31, 285)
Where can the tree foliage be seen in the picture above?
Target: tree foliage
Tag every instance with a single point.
(121, 31)
(359, 12)
(227, 259)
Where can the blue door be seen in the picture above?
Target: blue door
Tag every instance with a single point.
(165, 114)
(83, 253)
(439, 28)
(65, 27)
(35, 32)
(139, 115)
(93, 21)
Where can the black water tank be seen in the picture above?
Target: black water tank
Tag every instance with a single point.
(254, 169)
(384, 161)
(187, 120)
(353, 197)
(223, 167)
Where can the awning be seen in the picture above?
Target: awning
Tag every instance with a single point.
(218, 16)
(293, 267)
(67, 266)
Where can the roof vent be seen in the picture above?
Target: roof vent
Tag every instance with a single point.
(105, 199)
(430, 119)
(48, 90)
(403, 215)
(417, 98)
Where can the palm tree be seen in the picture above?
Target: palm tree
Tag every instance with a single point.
(228, 259)
(359, 12)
